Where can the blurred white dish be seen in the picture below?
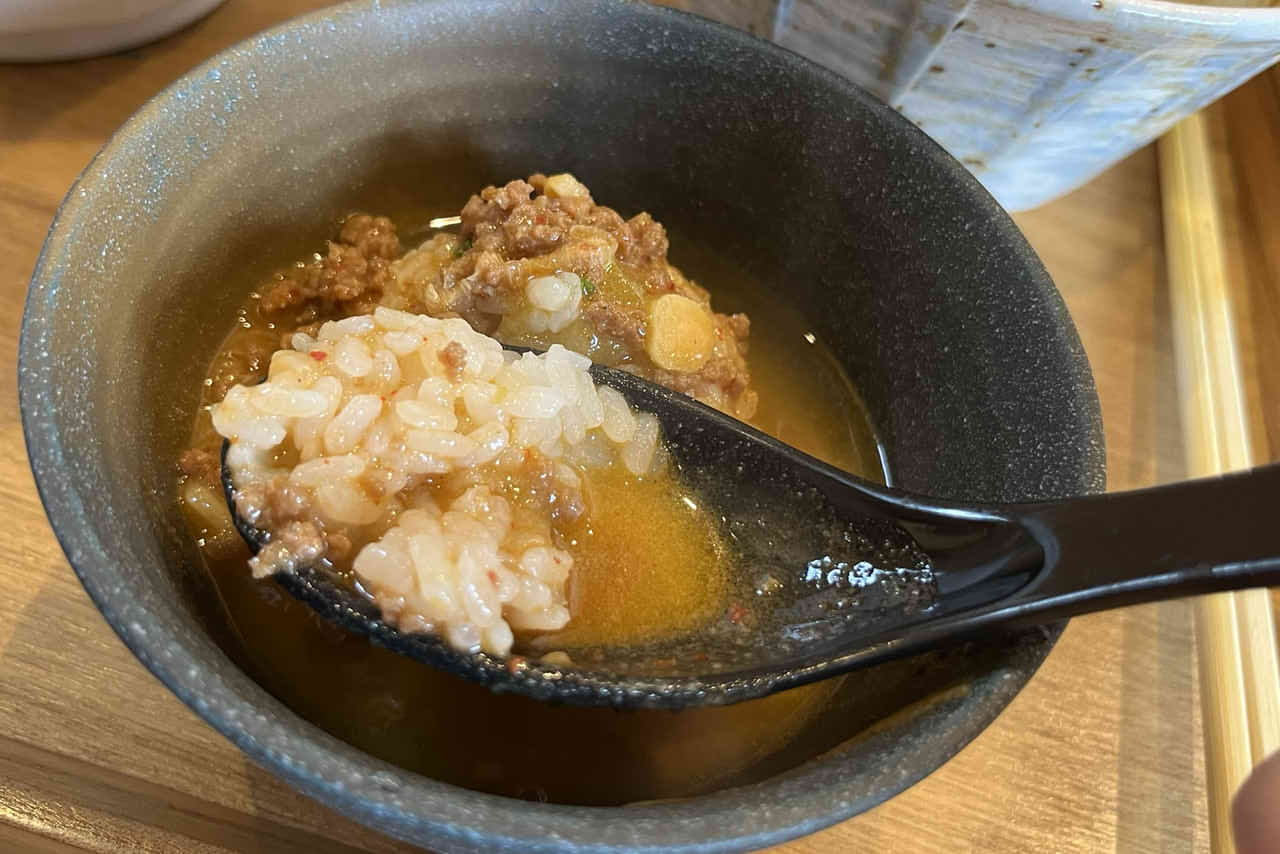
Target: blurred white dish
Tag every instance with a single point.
(39, 30)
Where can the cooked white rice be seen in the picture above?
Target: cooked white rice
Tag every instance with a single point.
(350, 425)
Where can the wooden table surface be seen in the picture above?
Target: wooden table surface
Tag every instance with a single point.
(1102, 750)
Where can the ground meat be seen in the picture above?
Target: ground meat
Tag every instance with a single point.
(618, 320)
(503, 227)
(340, 545)
(454, 358)
(720, 383)
(738, 324)
(509, 237)
(371, 236)
(493, 204)
(297, 540)
(285, 502)
(270, 505)
(532, 228)
(526, 229)
(643, 241)
(245, 364)
(295, 545)
(201, 464)
(348, 279)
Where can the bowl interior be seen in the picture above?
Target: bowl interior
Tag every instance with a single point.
(959, 344)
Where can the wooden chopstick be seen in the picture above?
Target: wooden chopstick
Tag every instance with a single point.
(1235, 632)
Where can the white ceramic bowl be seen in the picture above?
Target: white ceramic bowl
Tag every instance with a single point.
(1034, 96)
(38, 30)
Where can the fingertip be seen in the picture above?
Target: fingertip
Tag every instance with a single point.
(1255, 812)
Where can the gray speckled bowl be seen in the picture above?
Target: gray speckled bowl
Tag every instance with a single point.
(948, 324)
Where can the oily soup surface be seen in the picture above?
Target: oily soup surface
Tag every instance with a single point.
(645, 566)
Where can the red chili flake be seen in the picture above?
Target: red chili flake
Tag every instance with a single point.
(493, 578)
(516, 663)
(319, 355)
(540, 219)
(736, 613)
(719, 332)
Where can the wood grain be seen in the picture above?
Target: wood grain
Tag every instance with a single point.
(1245, 133)
(1235, 632)
(1100, 752)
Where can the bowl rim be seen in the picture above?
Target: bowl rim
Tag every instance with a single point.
(414, 807)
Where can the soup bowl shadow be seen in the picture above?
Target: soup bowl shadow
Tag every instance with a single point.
(970, 368)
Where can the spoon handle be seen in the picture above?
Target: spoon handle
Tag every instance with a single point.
(1111, 550)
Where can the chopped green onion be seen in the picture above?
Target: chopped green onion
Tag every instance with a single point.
(588, 287)
(461, 247)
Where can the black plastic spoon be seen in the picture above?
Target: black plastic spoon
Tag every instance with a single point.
(837, 573)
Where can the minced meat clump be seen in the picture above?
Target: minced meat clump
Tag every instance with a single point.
(538, 262)
(534, 262)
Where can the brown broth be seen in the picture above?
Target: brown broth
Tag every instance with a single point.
(645, 565)
(432, 723)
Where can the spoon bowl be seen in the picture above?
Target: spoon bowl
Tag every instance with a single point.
(834, 572)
